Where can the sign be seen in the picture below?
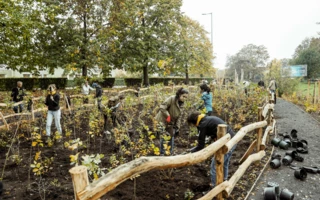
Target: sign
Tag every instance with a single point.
(294, 71)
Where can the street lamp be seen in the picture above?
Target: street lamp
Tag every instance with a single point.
(211, 25)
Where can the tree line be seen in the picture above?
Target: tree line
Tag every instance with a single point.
(148, 36)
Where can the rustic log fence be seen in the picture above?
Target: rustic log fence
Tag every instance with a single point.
(85, 190)
(64, 98)
(223, 189)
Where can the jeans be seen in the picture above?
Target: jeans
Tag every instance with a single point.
(18, 108)
(56, 115)
(227, 157)
(169, 143)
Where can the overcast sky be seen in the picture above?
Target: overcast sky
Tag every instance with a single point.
(279, 25)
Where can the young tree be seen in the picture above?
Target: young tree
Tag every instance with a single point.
(193, 53)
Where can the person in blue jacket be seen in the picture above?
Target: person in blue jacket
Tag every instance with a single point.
(207, 98)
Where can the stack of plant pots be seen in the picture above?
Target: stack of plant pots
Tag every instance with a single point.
(272, 192)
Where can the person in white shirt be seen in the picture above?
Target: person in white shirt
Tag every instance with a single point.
(85, 91)
(246, 86)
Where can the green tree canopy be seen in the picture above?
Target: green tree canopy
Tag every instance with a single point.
(249, 58)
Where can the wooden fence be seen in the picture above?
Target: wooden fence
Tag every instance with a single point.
(84, 190)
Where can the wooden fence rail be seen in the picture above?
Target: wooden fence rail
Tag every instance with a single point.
(143, 164)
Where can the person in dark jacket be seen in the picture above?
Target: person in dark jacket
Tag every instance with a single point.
(169, 118)
(17, 95)
(261, 83)
(52, 101)
(98, 95)
(208, 126)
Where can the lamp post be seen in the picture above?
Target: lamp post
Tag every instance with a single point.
(211, 25)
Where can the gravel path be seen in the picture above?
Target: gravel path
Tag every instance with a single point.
(288, 117)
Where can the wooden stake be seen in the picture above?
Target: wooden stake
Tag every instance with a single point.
(259, 135)
(32, 111)
(308, 89)
(239, 173)
(314, 93)
(248, 152)
(80, 179)
(4, 120)
(219, 158)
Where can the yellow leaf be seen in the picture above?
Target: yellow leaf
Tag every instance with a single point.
(95, 176)
(37, 155)
(34, 143)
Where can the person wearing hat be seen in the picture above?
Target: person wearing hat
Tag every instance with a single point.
(169, 118)
(208, 126)
(52, 101)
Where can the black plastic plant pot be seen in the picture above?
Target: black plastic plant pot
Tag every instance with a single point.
(298, 158)
(302, 145)
(287, 160)
(276, 156)
(275, 142)
(304, 141)
(269, 193)
(292, 153)
(287, 137)
(300, 174)
(294, 133)
(286, 195)
(275, 185)
(288, 141)
(275, 163)
(283, 145)
(294, 143)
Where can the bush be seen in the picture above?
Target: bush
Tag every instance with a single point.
(108, 82)
(133, 82)
(6, 84)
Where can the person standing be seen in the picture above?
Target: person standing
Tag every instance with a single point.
(272, 88)
(85, 91)
(98, 94)
(246, 85)
(207, 98)
(17, 95)
(261, 83)
(208, 126)
(169, 117)
(52, 101)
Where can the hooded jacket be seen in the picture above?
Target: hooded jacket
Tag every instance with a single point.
(170, 107)
(207, 98)
(272, 85)
(208, 126)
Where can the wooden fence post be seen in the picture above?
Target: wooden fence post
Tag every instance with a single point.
(32, 111)
(4, 120)
(259, 135)
(308, 90)
(80, 179)
(219, 158)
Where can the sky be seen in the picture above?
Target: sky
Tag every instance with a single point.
(279, 25)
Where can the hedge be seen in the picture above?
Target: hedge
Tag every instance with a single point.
(6, 84)
(133, 82)
(176, 81)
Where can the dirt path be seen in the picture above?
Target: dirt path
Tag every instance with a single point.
(288, 117)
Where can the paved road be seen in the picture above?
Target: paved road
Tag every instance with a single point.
(288, 117)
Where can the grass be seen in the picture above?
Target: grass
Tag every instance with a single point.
(303, 89)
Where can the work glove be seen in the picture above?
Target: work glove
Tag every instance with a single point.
(168, 119)
(51, 97)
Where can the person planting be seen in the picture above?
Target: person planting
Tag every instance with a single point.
(169, 118)
(206, 96)
(208, 126)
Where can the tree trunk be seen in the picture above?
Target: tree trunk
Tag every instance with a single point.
(145, 76)
(187, 76)
(84, 47)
